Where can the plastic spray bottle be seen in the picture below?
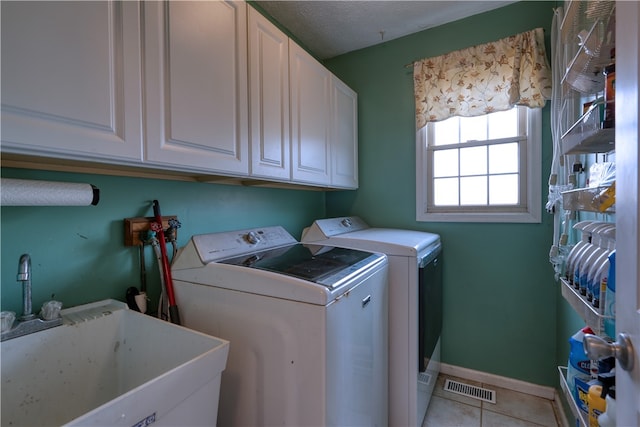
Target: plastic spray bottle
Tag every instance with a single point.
(571, 267)
(597, 282)
(598, 246)
(608, 419)
(584, 240)
(585, 258)
(609, 300)
(597, 394)
(596, 260)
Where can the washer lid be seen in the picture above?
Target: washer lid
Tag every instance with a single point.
(268, 261)
(329, 267)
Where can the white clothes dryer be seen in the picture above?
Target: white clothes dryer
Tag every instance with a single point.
(415, 306)
(307, 329)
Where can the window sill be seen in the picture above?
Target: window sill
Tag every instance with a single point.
(520, 217)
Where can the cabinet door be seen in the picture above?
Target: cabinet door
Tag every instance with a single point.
(344, 137)
(71, 80)
(310, 118)
(268, 99)
(196, 85)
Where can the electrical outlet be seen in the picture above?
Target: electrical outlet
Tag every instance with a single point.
(134, 226)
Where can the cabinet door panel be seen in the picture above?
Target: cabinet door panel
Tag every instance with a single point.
(71, 79)
(196, 95)
(310, 118)
(269, 99)
(344, 141)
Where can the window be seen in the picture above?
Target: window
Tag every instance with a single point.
(480, 169)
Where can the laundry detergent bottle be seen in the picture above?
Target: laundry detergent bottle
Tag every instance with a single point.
(579, 364)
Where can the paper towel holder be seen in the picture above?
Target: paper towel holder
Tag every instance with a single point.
(24, 192)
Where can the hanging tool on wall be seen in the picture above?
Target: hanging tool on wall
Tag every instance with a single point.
(163, 303)
(174, 315)
(171, 235)
(141, 299)
(138, 233)
(137, 299)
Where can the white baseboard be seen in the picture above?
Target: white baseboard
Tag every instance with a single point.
(560, 408)
(499, 381)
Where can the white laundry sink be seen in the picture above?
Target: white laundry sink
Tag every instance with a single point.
(108, 365)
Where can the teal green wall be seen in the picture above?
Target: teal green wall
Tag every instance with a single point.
(500, 297)
(503, 310)
(78, 253)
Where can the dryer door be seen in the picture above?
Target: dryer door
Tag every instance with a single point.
(429, 307)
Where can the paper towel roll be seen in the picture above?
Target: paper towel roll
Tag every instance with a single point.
(24, 192)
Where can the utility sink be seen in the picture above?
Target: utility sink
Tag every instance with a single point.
(111, 366)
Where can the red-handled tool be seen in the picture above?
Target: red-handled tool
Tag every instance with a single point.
(174, 315)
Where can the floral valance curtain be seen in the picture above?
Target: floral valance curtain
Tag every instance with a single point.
(483, 79)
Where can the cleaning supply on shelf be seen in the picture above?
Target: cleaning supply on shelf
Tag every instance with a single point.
(596, 403)
(602, 174)
(606, 365)
(609, 300)
(585, 382)
(588, 262)
(584, 240)
(578, 366)
(606, 198)
(599, 273)
(580, 266)
(597, 393)
(601, 242)
(608, 418)
(587, 235)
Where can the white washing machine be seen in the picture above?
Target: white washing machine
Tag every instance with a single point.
(307, 328)
(415, 306)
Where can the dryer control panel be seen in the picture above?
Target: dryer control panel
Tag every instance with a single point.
(322, 229)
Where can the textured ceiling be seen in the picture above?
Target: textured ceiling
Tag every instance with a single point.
(331, 28)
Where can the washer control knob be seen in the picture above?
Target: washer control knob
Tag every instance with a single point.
(347, 222)
(252, 237)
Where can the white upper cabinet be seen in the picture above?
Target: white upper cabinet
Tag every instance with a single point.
(196, 86)
(344, 137)
(298, 109)
(324, 124)
(71, 80)
(310, 118)
(270, 144)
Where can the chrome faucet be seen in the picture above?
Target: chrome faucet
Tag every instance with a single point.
(28, 322)
(24, 276)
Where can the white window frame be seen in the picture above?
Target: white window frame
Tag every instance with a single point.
(531, 206)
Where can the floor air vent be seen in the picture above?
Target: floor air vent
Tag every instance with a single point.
(470, 391)
(424, 378)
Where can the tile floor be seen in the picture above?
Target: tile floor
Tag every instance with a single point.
(512, 409)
